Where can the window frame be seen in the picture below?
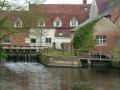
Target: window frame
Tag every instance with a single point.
(18, 24)
(72, 23)
(32, 39)
(48, 40)
(56, 23)
(101, 40)
(7, 38)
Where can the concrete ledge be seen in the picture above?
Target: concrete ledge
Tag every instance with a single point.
(59, 61)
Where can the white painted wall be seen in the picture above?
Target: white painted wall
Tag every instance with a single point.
(49, 33)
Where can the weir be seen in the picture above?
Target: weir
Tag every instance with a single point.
(22, 54)
(22, 58)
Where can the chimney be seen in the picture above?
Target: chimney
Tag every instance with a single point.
(84, 1)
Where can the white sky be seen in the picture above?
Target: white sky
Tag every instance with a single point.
(66, 1)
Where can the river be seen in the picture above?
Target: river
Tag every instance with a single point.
(35, 76)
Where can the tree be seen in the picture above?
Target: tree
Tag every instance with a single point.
(8, 11)
(83, 37)
(7, 16)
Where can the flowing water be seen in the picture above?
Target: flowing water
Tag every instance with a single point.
(34, 76)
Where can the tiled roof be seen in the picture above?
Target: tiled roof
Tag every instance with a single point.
(62, 33)
(50, 12)
(65, 18)
(82, 24)
(102, 5)
(109, 10)
(61, 8)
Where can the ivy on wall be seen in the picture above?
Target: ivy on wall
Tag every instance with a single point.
(83, 37)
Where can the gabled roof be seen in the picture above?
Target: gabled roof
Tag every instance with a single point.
(49, 12)
(112, 5)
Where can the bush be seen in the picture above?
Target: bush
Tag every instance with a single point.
(54, 45)
(2, 54)
(116, 56)
(62, 45)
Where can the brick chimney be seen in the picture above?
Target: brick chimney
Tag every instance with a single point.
(84, 1)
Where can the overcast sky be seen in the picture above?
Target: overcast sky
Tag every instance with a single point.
(66, 1)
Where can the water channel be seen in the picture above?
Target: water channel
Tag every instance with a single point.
(35, 76)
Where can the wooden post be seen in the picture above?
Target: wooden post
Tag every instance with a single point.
(89, 54)
(47, 50)
(63, 52)
(77, 52)
(100, 54)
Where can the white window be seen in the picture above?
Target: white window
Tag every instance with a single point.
(33, 40)
(86, 9)
(73, 22)
(48, 40)
(60, 34)
(41, 22)
(18, 23)
(6, 40)
(101, 40)
(57, 22)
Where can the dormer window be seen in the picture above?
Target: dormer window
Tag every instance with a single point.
(73, 22)
(41, 23)
(18, 23)
(57, 22)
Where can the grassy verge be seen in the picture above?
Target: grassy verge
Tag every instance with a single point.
(58, 54)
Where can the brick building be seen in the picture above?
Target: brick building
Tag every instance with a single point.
(105, 30)
(55, 20)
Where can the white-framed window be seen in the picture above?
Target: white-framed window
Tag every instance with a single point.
(18, 23)
(73, 22)
(60, 34)
(57, 22)
(6, 40)
(41, 22)
(48, 40)
(101, 40)
(33, 40)
(86, 9)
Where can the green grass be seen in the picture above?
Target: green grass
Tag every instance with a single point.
(58, 54)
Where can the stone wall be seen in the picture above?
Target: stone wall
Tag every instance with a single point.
(61, 61)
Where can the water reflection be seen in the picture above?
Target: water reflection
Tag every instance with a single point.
(34, 76)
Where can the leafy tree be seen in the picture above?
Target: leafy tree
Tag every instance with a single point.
(8, 10)
(2, 54)
(83, 37)
(116, 55)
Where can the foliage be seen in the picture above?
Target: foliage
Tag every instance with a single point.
(116, 55)
(118, 25)
(83, 37)
(62, 45)
(2, 54)
(111, 4)
(54, 45)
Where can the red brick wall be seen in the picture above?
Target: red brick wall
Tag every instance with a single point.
(17, 39)
(110, 40)
(108, 29)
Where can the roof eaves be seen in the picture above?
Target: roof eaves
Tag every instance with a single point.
(82, 24)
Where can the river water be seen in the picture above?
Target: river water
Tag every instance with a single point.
(34, 76)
